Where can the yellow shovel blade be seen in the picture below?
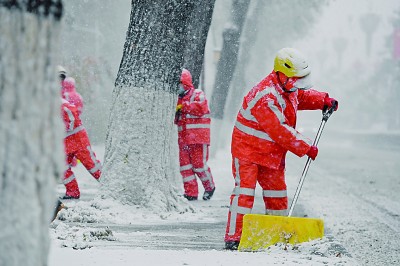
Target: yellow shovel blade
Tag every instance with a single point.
(261, 231)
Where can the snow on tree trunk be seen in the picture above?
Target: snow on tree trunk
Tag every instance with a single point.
(138, 166)
(138, 161)
(31, 130)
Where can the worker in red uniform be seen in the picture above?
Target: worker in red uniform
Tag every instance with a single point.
(193, 121)
(264, 132)
(69, 93)
(77, 145)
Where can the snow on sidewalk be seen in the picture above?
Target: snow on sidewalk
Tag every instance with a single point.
(106, 233)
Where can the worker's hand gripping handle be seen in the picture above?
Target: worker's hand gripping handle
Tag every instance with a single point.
(327, 112)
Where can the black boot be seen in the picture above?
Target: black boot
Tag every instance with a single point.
(232, 245)
(208, 194)
(190, 198)
(69, 197)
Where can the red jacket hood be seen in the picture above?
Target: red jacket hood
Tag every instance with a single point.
(186, 79)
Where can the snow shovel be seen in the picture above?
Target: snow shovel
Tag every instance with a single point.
(261, 231)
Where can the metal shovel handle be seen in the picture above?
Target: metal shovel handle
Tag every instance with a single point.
(326, 113)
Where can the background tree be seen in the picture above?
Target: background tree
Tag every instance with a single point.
(91, 42)
(267, 31)
(268, 26)
(385, 107)
(137, 164)
(31, 129)
(197, 31)
(229, 53)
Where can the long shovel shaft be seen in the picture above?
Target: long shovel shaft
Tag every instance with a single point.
(303, 176)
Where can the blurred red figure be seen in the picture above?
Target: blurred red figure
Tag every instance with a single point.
(77, 145)
(69, 93)
(193, 121)
(68, 90)
(264, 132)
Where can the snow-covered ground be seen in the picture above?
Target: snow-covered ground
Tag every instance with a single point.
(353, 186)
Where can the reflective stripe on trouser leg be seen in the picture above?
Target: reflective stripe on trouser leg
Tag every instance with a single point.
(242, 197)
(69, 179)
(70, 183)
(273, 184)
(199, 155)
(97, 164)
(89, 160)
(190, 185)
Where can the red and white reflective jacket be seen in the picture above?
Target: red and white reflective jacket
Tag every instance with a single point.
(76, 135)
(264, 129)
(194, 119)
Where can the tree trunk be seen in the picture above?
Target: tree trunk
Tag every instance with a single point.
(229, 53)
(138, 167)
(197, 32)
(238, 83)
(31, 130)
(225, 69)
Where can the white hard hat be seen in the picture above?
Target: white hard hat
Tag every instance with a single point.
(61, 71)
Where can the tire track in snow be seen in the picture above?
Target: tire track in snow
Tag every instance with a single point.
(379, 212)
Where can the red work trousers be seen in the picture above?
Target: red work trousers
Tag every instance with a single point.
(193, 162)
(78, 146)
(246, 175)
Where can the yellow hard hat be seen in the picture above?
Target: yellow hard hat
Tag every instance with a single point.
(292, 63)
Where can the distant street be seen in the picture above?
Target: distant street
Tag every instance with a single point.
(355, 185)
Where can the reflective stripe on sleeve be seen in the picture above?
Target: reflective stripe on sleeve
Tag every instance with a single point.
(258, 96)
(247, 115)
(281, 118)
(280, 100)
